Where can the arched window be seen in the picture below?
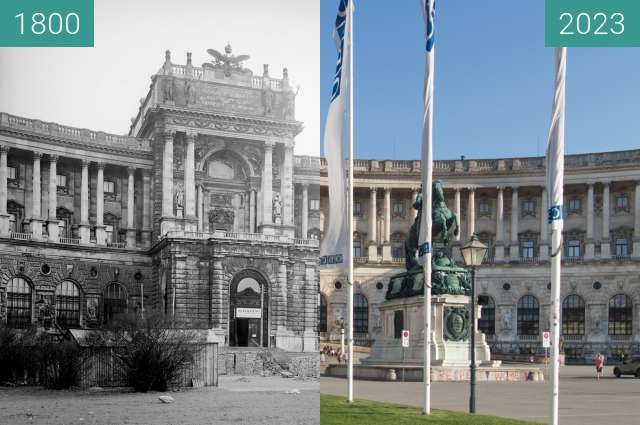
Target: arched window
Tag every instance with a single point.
(67, 304)
(360, 314)
(573, 315)
(18, 303)
(487, 321)
(115, 301)
(620, 315)
(323, 313)
(528, 316)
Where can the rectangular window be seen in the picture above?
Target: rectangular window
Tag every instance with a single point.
(483, 207)
(622, 248)
(573, 249)
(397, 249)
(109, 187)
(61, 180)
(357, 210)
(357, 248)
(314, 204)
(12, 173)
(575, 205)
(527, 249)
(398, 208)
(622, 203)
(528, 207)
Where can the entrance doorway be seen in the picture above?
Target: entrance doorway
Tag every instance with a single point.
(248, 311)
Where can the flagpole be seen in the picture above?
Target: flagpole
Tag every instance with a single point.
(555, 176)
(350, 210)
(424, 244)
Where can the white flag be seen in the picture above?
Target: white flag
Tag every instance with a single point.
(424, 240)
(334, 251)
(555, 146)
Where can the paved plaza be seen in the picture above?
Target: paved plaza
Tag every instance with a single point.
(239, 400)
(583, 399)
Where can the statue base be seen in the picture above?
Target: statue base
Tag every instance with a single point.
(450, 342)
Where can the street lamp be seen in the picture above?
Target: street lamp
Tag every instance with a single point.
(473, 254)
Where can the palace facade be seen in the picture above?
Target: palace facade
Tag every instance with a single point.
(504, 202)
(202, 211)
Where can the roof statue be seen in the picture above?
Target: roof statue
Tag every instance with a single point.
(227, 61)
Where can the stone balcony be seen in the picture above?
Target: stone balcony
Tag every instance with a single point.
(242, 237)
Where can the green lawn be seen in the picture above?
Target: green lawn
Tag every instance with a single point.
(335, 411)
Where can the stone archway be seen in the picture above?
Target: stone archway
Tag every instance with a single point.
(249, 310)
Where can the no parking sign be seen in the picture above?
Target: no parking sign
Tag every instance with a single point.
(405, 338)
(546, 339)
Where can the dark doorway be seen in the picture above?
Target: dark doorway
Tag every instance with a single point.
(248, 332)
(248, 311)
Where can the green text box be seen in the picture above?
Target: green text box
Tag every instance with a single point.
(46, 23)
(592, 23)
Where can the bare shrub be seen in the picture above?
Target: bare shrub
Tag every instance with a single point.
(152, 353)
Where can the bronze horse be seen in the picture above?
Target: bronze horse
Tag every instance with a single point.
(443, 222)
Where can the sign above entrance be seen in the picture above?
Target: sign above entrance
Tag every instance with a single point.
(248, 313)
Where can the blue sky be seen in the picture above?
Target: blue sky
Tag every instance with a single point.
(494, 82)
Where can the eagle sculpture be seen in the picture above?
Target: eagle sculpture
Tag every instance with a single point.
(227, 61)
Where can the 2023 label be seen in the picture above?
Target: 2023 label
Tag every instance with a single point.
(592, 23)
(46, 23)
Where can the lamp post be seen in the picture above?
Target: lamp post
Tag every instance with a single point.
(473, 253)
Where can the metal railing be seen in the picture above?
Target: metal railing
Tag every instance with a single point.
(116, 244)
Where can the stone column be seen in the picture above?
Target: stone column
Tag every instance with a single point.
(85, 230)
(36, 199)
(286, 189)
(252, 211)
(131, 207)
(189, 177)
(167, 175)
(499, 256)
(514, 248)
(200, 209)
(146, 208)
(101, 233)
(305, 211)
(456, 210)
(471, 213)
(280, 299)
(589, 252)
(636, 222)
(605, 250)
(4, 216)
(53, 224)
(544, 226)
(372, 249)
(235, 203)
(386, 247)
(267, 186)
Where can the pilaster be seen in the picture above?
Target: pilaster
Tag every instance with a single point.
(53, 224)
(36, 199)
(85, 232)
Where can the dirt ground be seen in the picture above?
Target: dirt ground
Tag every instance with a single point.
(238, 400)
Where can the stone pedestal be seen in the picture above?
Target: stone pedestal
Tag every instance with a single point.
(36, 228)
(84, 233)
(101, 235)
(372, 252)
(146, 237)
(450, 343)
(179, 212)
(589, 250)
(636, 246)
(386, 252)
(53, 227)
(131, 238)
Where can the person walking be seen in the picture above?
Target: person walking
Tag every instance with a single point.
(599, 364)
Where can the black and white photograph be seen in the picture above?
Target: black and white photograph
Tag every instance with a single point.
(159, 218)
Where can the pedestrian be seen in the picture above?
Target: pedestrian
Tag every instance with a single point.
(322, 358)
(599, 363)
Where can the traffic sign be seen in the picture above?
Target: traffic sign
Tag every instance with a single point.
(546, 339)
(405, 338)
